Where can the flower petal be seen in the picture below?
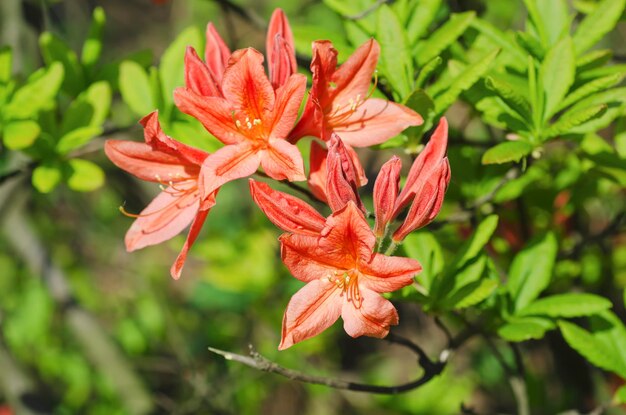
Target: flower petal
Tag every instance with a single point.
(215, 113)
(227, 164)
(156, 138)
(246, 87)
(347, 235)
(317, 171)
(286, 211)
(148, 164)
(165, 217)
(373, 318)
(310, 311)
(216, 53)
(373, 122)
(385, 274)
(198, 77)
(288, 100)
(354, 77)
(307, 261)
(194, 230)
(282, 160)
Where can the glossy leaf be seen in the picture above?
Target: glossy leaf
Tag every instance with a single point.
(395, 58)
(464, 81)
(135, 88)
(77, 138)
(556, 74)
(588, 88)
(574, 118)
(92, 48)
(424, 247)
(18, 135)
(510, 96)
(567, 305)
(53, 50)
(531, 270)
(526, 328)
(46, 177)
(89, 109)
(597, 24)
(507, 152)
(476, 293)
(38, 92)
(85, 176)
(422, 18)
(427, 71)
(440, 40)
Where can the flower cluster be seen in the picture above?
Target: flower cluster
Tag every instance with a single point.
(255, 116)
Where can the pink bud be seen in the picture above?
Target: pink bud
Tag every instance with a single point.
(385, 193)
(280, 49)
(216, 53)
(198, 78)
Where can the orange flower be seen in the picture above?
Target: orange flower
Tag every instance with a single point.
(340, 100)
(176, 167)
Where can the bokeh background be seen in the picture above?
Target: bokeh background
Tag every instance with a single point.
(89, 328)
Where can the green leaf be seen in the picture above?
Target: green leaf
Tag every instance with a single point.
(6, 64)
(593, 59)
(510, 96)
(614, 99)
(526, 328)
(499, 38)
(574, 118)
(554, 17)
(474, 246)
(89, 109)
(537, 21)
(514, 188)
(85, 176)
(423, 16)
(567, 305)
(531, 45)
(426, 72)
(77, 138)
(556, 74)
(92, 48)
(395, 57)
(440, 40)
(46, 177)
(597, 24)
(53, 50)
(475, 293)
(40, 90)
(591, 348)
(507, 152)
(424, 247)
(531, 270)
(420, 102)
(19, 135)
(171, 67)
(596, 85)
(135, 88)
(464, 81)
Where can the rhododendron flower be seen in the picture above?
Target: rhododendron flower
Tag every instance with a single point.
(252, 119)
(340, 100)
(424, 189)
(336, 258)
(344, 278)
(205, 78)
(176, 167)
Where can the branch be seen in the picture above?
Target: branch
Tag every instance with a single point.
(259, 362)
(612, 228)
(244, 13)
(293, 186)
(367, 11)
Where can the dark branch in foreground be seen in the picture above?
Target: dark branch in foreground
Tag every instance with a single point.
(431, 368)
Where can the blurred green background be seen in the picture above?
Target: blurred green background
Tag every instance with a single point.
(88, 328)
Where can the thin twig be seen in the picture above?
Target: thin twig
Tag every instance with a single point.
(259, 362)
(244, 13)
(612, 228)
(293, 186)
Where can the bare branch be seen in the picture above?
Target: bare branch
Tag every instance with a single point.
(367, 11)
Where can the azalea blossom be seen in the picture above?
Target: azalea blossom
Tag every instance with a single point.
(252, 119)
(205, 78)
(340, 100)
(335, 257)
(344, 278)
(424, 189)
(176, 167)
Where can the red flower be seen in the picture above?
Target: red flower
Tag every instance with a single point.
(205, 78)
(336, 258)
(252, 119)
(339, 100)
(163, 160)
(424, 189)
